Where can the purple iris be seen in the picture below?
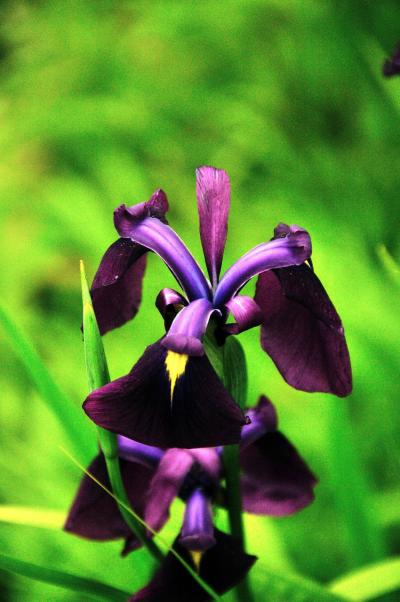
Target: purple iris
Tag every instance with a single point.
(173, 397)
(392, 65)
(275, 481)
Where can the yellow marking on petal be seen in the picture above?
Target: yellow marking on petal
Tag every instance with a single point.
(196, 555)
(175, 364)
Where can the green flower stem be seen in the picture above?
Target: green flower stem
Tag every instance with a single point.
(98, 375)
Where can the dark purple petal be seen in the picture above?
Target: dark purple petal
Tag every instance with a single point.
(263, 420)
(138, 452)
(189, 327)
(168, 298)
(223, 566)
(213, 200)
(392, 65)
(246, 313)
(165, 486)
(291, 249)
(199, 413)
(117, 286)
(197, 529)
(302, 331)
(94, 513)
(145, 228)
(275, 481)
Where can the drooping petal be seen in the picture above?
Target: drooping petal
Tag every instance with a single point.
(168, 400)
(138, 452)
(165, 486)
(275, 481)
(117, 286)
(213, 201)
(94, 514)
(392, 65)
(302, 331)
(291, 249)
(223, 566)
(197, 529)
(246, 313)
(189, 327)
(142, 224)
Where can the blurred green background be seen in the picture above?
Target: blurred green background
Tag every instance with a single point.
(103, 102)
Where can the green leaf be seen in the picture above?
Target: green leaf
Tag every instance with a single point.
(235, 371)
(370, 581)
(61, 579)
(389, 263)
(32, 517)
(67, 412)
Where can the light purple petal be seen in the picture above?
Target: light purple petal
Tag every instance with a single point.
(208, 458)
(189, 327)
(263, 420)
(117, 286)
(139, 452)
(197, 530)
(144, 227)
(302, 331)
(246, 313)
(165, 486)
(213, 201)
(292, 249)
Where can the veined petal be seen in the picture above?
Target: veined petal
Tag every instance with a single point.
(138, 452)
(188, 328)
(275, 479)
(178, 402)
(143, 225)
(197, 533)
(165, 486)
(246, 313)
(94, 514)
(223, 566)
(302, 331)
(291, 249)
(213, 201)
(117, 286)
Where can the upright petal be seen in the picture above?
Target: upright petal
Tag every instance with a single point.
(94, 514)
(117, 286)
(142, 224)
(168, 400)
(188, 328)
(291, 249)
(302, 331)
(213, 200)
(223, 566)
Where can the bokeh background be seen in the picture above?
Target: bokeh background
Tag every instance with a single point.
(103, 102)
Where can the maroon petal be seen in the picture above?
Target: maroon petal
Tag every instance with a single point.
(275, 480)
(201, 412)
(302, 331)
(94, 513)
(165, 486)
(223, 566)
(213, 201)
(117, 286)
(246, 313)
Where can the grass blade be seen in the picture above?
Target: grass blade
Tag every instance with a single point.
(369, 582)
(32, 517)
(61, 579)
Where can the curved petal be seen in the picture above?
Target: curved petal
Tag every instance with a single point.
(223, 566)
(302, 331)
(168, 297)
(246, 313)
(165, 486)
(263, 419)
(94, 514)
(275, 481)
(189, 327)
(117, 286)
(197, 529)
(138, 452)
(189, 409)
(143, 226)
(291, 249)
(213, 201)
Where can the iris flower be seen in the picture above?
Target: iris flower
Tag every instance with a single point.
(173, 397)
(275, 481)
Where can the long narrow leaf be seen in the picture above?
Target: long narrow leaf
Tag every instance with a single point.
(369, 582)
(32, 517)
(75, 583)
(68, 414)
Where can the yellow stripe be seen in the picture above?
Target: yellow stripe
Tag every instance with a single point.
(175, 364)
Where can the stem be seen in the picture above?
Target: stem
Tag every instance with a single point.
(98, 375)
